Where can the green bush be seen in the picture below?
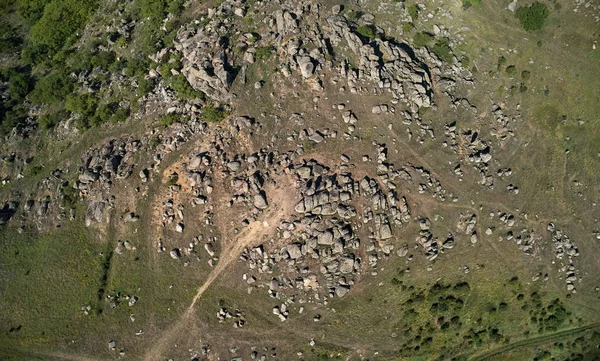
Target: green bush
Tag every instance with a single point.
(83, 104)
(422, 39)
(468, 3)
(214, 114)
(533, 17)
(263, 52)
(501, 62)
(61, 20)
(183, 88)
(20, 83)
(413, 11)
(50, 120)
(511, 70)
(31, 10)
(52, 89)
(441, 48)
(525, 75)
(169, 119)
(9, 38)
(145, 86)
(367, 31)
(104, 59)
(120, 115)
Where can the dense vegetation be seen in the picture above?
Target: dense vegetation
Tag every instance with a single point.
(533, 17)
(53, 75)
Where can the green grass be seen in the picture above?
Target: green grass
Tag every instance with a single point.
(442, 49)
(214, 114)
(367, 31)
(422, 39)
(45, 280)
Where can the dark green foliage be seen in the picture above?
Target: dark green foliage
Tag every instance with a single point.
(35, 54)
(525, 75)
(104, 59)
(213, 114)
(61, 20)
(11, 117)
(501, 62)
(12, 111)
(20, 84)
(422, 39)
(183, 88)
(533, 17)
(367, 31)
(413, 11)
(511, 70)
(263, 52)
(468, 3)
(407, 28)
(145, 86)
(52, 89)
(354, 15)
(137, 66)
(441, 48)
(9, 38)
(51, 119)
(32, 10)
(522, 88)
(83, 104)
(169, 119)
(93, 112)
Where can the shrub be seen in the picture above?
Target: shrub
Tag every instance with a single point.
(413, 11)
(407, 28)
(525, 75)
(183, 88)
(145, 86)
(31, 10)
(52, 88)
(501, 62)
(263, 52)
(19, 84)
(120, 115)
(468, 3)
(523, 88)
(511, 70)
(104, 59)
(9, 38)
(442, 49)
(214, 114)
(422, 39)
(50, 120)
(83, 104)
(169, 119)
(60, 21)
(367, 31)
(533, 17)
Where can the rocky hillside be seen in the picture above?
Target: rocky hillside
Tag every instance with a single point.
(234, 180)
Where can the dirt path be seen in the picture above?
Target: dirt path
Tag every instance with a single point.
(282, 201)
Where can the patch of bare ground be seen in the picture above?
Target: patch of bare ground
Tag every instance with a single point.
(232, 248)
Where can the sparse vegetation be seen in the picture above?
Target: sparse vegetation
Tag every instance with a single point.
(422, 39)
(469, 3)
(367, 31)
(214, 114)
(442, 49)
(263, 52)
(413, 11)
